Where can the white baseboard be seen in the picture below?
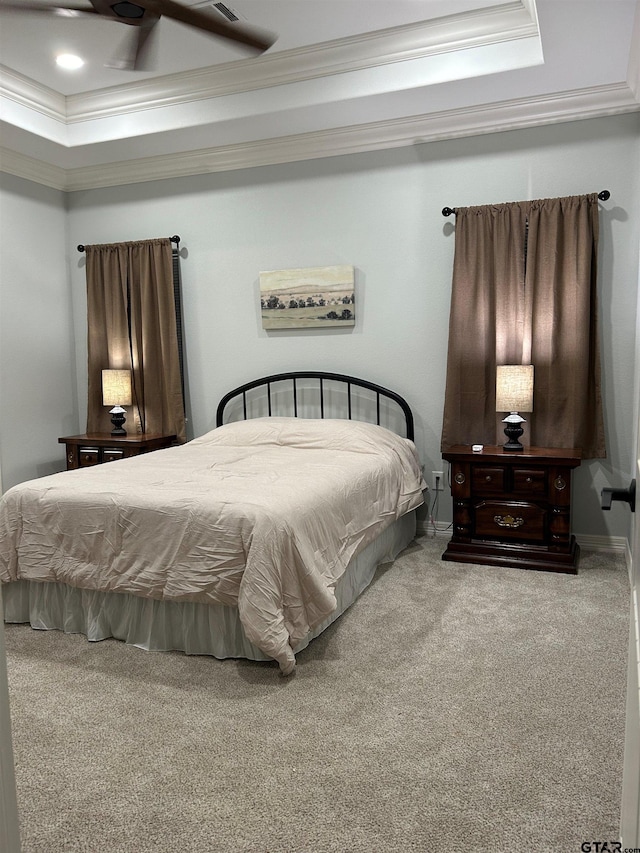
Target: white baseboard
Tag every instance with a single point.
(608, 544)
(611, 544)
(433, 530)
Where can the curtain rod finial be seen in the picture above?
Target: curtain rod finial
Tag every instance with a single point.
(447, 211)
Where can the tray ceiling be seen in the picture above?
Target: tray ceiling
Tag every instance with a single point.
(343, 76)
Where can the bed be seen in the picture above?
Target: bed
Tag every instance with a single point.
(246, 542)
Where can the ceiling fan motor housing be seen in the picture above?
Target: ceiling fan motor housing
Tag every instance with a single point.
(125, 9)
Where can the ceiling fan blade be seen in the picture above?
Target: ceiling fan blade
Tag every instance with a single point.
(134, 53)
(250, 37)
(145, 40)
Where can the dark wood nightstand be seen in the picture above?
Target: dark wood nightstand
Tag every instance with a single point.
(84, 451)
(513, 509)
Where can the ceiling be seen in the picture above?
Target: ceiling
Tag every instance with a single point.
(342, 76)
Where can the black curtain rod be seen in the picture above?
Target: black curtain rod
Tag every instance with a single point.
(604, 195)
(174, 239)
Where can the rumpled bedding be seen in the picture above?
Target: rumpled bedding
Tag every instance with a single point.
(262, 514)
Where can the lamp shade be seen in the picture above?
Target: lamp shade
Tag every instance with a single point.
(116, 387)
(514, 388)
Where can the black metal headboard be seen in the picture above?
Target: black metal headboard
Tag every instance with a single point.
(380, 397)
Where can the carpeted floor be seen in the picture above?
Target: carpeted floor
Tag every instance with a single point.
(453, 708)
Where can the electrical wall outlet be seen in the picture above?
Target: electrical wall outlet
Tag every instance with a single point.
(437, 481)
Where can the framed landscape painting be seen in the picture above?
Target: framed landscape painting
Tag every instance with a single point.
(308, 298)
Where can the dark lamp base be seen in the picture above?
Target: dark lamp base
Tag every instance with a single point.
(117, 420)
(513, 433)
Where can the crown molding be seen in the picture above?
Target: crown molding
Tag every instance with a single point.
(14, 163)
(633, 72)
(27, 93)
(450, 124)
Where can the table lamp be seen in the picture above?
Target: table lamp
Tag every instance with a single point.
(116, 392)
(514, 393)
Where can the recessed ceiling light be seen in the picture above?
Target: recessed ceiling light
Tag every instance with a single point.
(69, 61)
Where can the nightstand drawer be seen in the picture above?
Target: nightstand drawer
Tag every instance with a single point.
(521, 521)
(487, 480)
(89, 449)
(88, 456)
(530, 482)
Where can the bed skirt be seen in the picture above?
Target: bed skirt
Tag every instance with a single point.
(190, 627)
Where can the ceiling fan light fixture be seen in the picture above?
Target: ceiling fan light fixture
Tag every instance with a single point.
(69, 61)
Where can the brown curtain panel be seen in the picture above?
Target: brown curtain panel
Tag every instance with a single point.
(562, 262)
(524, 292)
(486, 318)
(132, 325)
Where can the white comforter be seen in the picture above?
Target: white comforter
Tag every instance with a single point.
(263, 515)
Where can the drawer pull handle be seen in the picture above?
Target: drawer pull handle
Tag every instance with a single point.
(460, 478)
(488, 478)
(560, 483)
(529, 480)
(508, 521)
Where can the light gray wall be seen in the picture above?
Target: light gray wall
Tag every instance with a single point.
(380, 212)
(38, 400)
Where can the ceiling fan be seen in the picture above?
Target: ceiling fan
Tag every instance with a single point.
(144, 15)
